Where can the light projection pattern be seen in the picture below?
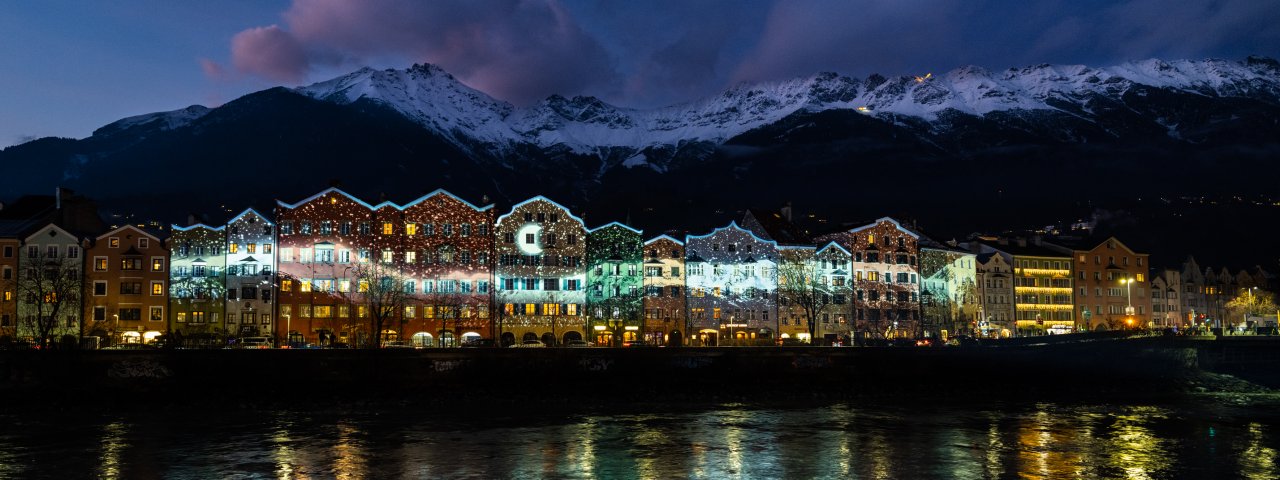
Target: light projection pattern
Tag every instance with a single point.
(540, 277)
(949, 291)
(197, 283)
(886, 285)
(732, 287)
(665, 310)
(251, 281)
(614, 284)
(351, 272)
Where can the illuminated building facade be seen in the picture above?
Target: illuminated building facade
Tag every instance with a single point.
(1109, 279)
(325, 242)
(949, 289)
(197, 283)
(540, 277)
(127, 280)
(994, 277)
(9, 244)
(664, 295)
(447, 252)
(614, 284)
(732, 283)
(251, 275)
(886, 283)
(50, 286)
(1042, 286)
(796, 293)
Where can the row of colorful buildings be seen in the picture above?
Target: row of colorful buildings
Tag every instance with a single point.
(332, 269)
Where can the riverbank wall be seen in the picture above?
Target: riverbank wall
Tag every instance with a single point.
(639, 374)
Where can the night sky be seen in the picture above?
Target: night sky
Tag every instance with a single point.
(70, 67)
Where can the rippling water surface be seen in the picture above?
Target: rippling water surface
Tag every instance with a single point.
(1196, 437)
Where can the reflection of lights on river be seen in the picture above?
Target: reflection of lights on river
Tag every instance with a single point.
(584, 448)
(733, 435)
(348, 453)
(995, 447)
(113, 443)
(283, 452)
(1258, 460)
(1133, 448)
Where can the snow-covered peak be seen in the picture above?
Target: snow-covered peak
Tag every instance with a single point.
(159, 120)
(425, 94)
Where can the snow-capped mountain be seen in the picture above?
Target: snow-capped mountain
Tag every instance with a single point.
(969, 135)
(585, 125)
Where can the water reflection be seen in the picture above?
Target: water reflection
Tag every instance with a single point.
(875, 441)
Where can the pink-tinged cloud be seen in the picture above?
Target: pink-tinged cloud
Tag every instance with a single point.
(269, 52)
(517, 50)
(212, 70)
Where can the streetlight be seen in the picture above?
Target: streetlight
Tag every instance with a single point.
(288, 328)
(115, 329)
(1249, 309)
(1128, 295)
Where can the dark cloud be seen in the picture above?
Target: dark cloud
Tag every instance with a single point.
(516, 50)
(650, 53)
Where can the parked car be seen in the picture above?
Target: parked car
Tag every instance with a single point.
(529, 344)
(480, 343)
(577, 344)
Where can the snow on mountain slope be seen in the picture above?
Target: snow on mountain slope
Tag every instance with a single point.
(160, 120)
(436, 100)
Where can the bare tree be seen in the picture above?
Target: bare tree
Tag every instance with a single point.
(801, 287)
(51, 289)
(381, 292)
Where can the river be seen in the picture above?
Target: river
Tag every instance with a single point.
(1193, 436)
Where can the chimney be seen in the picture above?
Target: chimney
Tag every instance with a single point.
(191, 219)
(786, 211)
(57, 198)
(484, 200)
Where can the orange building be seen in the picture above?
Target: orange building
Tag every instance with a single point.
(127, 283)
(1112, 288)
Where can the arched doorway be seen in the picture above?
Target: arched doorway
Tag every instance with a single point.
(572, 337)
(529, 336)
(470, 337)
(508, 339)
(423, 339)
(549, 339)
(675, 339)
(447, 339)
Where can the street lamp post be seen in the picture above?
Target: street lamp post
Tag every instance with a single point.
(288, 328)
(115, 329)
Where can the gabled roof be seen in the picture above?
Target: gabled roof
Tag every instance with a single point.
(441, 191)
(660, 237)
(323, 193)
(885, 219)
(544, 199)
(46, 226)
(177, 228)
(620, 224)
(127, 227)
(248, 211)
(837, 246)
(734, 226)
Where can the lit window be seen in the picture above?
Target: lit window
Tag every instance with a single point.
(157, 288)
(388, 228)
(286, 285)
(113, 242)
(233, 248)
(409, 229)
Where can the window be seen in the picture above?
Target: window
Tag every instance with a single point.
(157, 288)
(365, 228)
(410, 229)
(305, 228)
(99, 264)
(233, 248)
(286, 228)
(388, 228)
(131, 288)
(99, 314)
(113, 242)
(99, 288)
(131, 264)
(157, 264)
